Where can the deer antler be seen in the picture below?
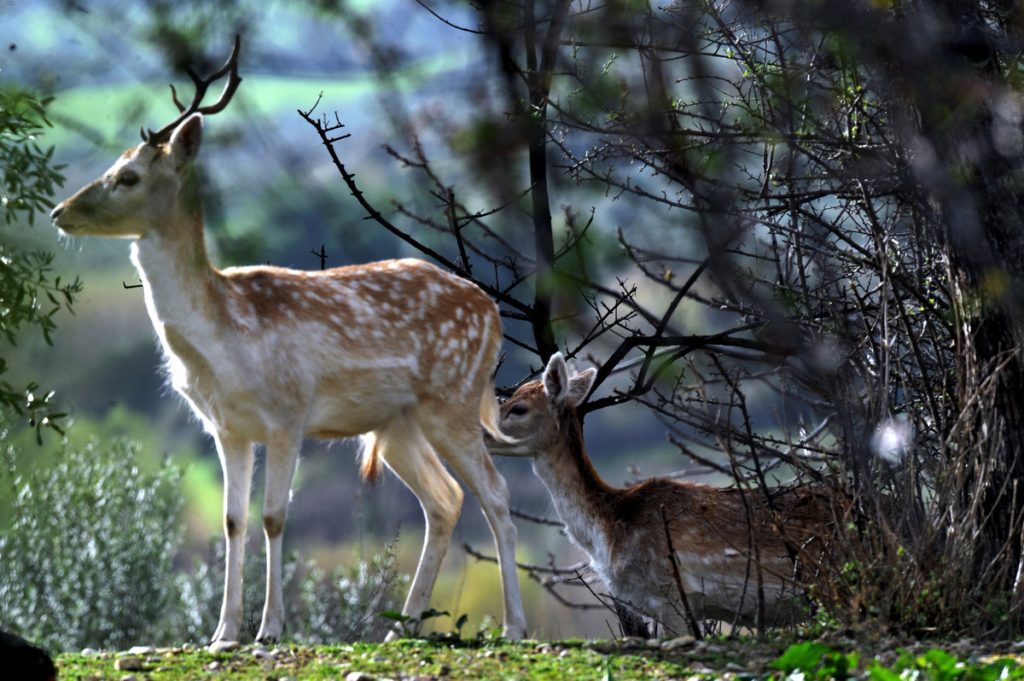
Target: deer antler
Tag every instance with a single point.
(230, 69)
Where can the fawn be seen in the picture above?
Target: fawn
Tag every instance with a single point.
(398, 350)
(678, 552)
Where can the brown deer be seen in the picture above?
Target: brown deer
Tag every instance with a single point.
(677, 552)
(399, 351)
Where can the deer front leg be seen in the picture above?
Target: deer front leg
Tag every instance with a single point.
(236, 459)
(282, 457)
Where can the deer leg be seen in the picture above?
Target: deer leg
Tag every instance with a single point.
(414, 461)
(281, 461)
(469, 459)
(236, 460)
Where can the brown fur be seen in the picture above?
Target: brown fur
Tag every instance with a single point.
(718, 535)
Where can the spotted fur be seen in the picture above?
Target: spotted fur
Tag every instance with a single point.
(398, 350)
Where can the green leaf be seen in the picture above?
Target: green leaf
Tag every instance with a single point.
(395, 616)
(804, 656)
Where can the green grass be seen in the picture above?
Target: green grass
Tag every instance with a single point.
(735, 659)
(525, 660)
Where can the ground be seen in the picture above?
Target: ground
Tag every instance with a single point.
(452, 659)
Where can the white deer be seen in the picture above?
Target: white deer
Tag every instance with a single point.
(399, 351)
(731, 554)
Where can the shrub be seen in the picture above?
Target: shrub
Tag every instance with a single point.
(345, 604)
(87, 556)
(321, 606)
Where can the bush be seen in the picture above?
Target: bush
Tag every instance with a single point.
(88, 561)
(345, 605)
(202, 588)
(87, 556)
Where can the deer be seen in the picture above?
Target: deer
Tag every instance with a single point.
(676, 552)
(399, 353)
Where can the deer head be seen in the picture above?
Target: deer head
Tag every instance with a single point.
(148, 185)
(534, 417)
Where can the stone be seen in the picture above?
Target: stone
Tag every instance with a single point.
(141, 650)
(130, 664)
(678, 643)
(359, 676)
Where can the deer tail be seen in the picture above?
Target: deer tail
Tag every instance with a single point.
(369, 457)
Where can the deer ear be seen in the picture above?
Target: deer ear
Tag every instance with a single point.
(185, 141)
(580, 385)
(556, 379)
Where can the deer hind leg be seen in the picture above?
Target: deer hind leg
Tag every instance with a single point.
(460, 442)
(236, 459)
(406, 452)
(282, 458)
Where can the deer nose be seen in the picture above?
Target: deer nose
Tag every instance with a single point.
(55, 213)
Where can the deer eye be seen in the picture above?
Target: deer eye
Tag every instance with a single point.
(518, 409)
(127, 179)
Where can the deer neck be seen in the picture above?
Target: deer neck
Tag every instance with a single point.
(181, 288)
(582, 499)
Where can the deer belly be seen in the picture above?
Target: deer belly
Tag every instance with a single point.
(359, 402)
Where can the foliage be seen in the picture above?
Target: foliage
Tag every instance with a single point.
(29, 177)
(89, 561)
(29, 294)
(816, 661)
(89, 549)
(349, 603)
(322, 607)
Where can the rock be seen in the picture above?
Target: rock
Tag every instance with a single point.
(213, 666)
(141, 650)
(678, 643)
(93, 651)
(565, 652)
(130, 664)
(359, 676)
(632, 642)
(733, 667)
(652, 644)
(261, 653)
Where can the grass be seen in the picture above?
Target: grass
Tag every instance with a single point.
(452, 659)
(410, 657)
